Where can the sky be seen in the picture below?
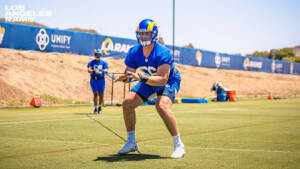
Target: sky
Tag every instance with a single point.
(228, 26)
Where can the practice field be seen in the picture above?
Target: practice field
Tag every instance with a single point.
(246, 134)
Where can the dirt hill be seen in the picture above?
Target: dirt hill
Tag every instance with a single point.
(63, 78)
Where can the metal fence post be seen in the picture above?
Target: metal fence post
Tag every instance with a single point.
(112, 90)
(124, 91)
(129, 86)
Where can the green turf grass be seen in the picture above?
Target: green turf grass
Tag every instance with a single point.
(245, 134)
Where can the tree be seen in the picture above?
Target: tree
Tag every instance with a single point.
(284, 52)
(263, 54)
(292, 59)
(83, 30)
(275, 54)
(161, 40)
(190, 45)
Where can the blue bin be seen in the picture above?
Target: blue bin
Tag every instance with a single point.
(193, 100)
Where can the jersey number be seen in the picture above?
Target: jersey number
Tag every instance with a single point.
(98, 67)
(151, 71)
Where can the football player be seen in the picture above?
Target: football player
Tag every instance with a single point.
(159, 77)
(96, 68)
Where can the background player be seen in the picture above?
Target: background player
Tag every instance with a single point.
(160, 77)
(220, 91)
(96, 68)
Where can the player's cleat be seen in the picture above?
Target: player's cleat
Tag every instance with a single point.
(95, 111)
(178, 152)
(129, 147)
(99, 110)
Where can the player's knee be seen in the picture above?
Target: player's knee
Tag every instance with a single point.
(128, 104)
(162, 105)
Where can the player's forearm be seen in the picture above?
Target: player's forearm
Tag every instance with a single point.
(90, 70)
(157, 81)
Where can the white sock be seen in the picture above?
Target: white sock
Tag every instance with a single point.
(131, 136)
(177, 140)
(96, 107)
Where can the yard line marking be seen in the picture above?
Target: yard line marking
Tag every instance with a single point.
(59, 151)
(40, 121)
(149, 139)
(50, 141)
(238, 127)
(221, 130)
(226, 149)
(51, 120)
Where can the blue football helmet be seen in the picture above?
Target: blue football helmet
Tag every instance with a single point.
(98, 53)
(147, 26)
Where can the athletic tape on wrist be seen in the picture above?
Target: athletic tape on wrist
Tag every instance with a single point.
(143, 78)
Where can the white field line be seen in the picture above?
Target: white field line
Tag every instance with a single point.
(40, 121)
(226, 149)
(61, 119)
(49, 141)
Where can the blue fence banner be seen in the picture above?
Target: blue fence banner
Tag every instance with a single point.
(25, 37)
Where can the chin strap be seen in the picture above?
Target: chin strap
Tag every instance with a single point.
(145, 43)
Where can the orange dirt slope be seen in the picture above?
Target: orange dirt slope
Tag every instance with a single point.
(24, 74)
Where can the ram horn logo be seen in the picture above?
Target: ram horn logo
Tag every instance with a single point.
(291, 68)
(106, 45)
(42, 39)
(2, 32)
(199, 57)
(246, 63)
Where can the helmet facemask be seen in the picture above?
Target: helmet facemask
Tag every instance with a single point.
(144, 38)
(146, 32)
(97, 56)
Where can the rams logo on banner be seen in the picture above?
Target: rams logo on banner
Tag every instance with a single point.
(106, 45)
(199, 57)
(109, 45)
(2, 32)
(246, 63)
(42, 39)
(291, 68)
(253, 64)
